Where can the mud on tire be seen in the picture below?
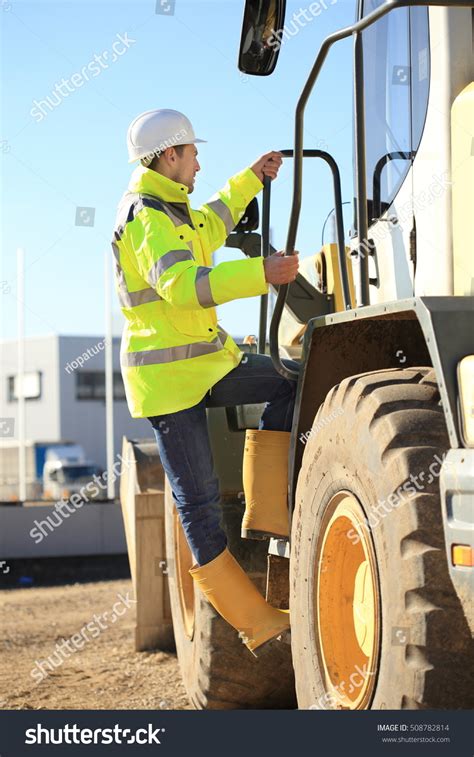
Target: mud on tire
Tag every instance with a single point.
(218, 671)
(383, 427)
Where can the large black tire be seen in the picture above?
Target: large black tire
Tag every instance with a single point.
(370, 434)
(218, 671)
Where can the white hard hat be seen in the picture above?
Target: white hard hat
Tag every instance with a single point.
(153, 131)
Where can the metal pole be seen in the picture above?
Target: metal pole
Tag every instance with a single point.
(262, 329)
(361, 183)
(109, 379)
(21, 373)
(332, 228)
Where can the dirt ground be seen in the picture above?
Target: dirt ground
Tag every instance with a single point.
(105, 673)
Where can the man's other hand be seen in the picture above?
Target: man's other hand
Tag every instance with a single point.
(281, 268)
(268, 165)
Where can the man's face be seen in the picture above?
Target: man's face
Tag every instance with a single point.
(187, 166)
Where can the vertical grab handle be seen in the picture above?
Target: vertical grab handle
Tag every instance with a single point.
(262, 329)
(283, 288)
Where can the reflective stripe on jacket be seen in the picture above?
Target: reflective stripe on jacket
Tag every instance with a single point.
(173, 350)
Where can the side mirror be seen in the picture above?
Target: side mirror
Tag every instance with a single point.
(260, 42)
(250, 219)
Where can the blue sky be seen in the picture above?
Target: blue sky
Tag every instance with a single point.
(74, 154)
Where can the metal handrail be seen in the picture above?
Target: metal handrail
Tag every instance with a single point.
(377, 178)
(275, 322)
(362, 220)
(262, 328)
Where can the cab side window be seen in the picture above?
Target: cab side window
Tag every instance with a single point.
(396, 78)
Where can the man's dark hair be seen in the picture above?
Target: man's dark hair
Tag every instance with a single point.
(156, 160)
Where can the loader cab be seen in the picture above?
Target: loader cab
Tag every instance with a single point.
(396, 64)
(416, 77)
(418, 74)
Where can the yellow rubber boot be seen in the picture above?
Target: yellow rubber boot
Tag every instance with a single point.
(231, 592)
(265, 478)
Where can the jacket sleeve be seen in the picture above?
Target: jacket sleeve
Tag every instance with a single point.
(224, 210)
(168, 265)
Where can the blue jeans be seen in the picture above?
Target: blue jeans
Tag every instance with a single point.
(185, 450)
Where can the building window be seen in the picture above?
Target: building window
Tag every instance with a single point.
(90, 385)
(31, 386)
(119, 388)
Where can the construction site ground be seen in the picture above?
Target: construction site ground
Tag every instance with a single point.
(43, 603)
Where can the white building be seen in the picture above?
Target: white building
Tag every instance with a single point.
(65, 385)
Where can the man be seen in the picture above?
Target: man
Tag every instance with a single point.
(176, 359)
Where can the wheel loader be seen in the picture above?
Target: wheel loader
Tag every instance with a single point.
(378, 569)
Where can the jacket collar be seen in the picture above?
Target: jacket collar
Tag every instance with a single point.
(146, 181)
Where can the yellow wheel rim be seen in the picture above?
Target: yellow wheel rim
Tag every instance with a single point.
(184, 561)
(346, 605)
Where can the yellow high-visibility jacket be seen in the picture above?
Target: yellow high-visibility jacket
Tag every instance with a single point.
(173, 350)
